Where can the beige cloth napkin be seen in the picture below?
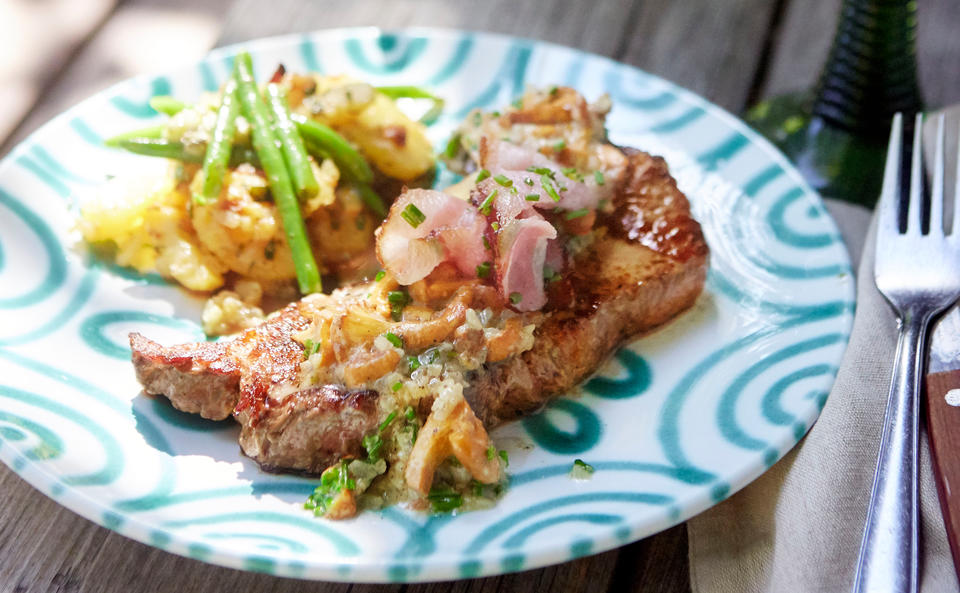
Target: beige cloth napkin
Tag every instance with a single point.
(798, 527)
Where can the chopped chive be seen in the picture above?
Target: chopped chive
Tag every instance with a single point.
(550, 275)
(528, 181)
(491, 452)
(394, 339)
(398, 299)
(559, 146)
(483, 174)
(409, 413)
(486, 243)
(515, 297)
(583, 465)
(503, 180)
(504, 457)
(444, 501)
(532, 197)
(495, 226)
(453, 146)
(548, 187)
(413, 362)
(397, 386)
(602, 204)
(477, 488)
(413, 215)
(387, 421)
(576, 213)
(541, 171)
(598, 177)
(483, 270)
(487, 203)
(373, 443)
(310, 348)
(572, 173)
(517, 103)
(495, 114)
(379, 276)
(553, 90)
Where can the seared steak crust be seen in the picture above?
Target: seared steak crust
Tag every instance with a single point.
(648, 266)
(310, 429)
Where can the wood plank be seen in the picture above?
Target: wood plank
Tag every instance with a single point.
(943, 430)
(712, 48)
(36, 41)
(140, 37)
(806, 32)
(594, 26)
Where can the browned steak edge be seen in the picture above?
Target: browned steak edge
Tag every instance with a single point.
(198, 378)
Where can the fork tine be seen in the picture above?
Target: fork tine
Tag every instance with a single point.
(915, 205)
(936, 191)
(889, 220)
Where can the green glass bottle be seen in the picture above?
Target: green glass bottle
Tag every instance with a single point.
(837, 135)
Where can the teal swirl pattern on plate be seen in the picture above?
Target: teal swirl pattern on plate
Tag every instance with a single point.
(674, 423)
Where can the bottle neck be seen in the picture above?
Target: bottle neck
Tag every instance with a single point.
(871, 72)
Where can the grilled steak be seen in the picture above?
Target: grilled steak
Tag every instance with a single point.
(648, 265)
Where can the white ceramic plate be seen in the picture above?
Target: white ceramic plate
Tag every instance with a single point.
(674, 423)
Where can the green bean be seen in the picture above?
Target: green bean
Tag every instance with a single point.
(159, 147)
(298, 163)
(220, 144)
(308, 276)
(372, 199)
(178, 151)
(412, 92)
(168, 105)
(151, 132)
(369, 197)
(415, 92)
(346, 157)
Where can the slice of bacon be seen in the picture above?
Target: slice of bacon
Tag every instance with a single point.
(519, 235)
(521, 252)
(452, 230)
(513, 162)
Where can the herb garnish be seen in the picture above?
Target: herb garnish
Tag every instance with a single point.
(488, 203)
(333, 480)
(548, 187)
(515, 297)
(576, 213)
(444, 501)
(310, 348)
(413, 215)
(398, 299)
(394, 339)
(483, 174)
(483, 270)
(453, 146)
(581, 470)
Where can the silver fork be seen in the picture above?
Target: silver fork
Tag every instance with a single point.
(919, 274)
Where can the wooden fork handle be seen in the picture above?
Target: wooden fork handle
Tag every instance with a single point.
(943, 429)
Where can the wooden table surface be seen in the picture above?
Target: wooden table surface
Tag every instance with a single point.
(56, 52)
